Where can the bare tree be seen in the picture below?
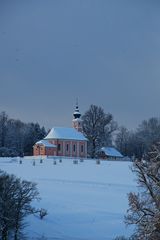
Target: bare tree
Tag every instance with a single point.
(16, 197)
(144, 207)
(148, 133)
(98, 128)
(122, 140)
(26, 193)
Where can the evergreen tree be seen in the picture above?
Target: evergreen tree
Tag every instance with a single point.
(3, 128)
(18, 138)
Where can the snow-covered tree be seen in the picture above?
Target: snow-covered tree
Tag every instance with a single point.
(148, 133)
(3, 128)
(33, 133)
(144, 207)
(17, 137)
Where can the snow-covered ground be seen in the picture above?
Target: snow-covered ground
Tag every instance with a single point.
(85, 201)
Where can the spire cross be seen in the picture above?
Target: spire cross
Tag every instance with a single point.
(77, 102)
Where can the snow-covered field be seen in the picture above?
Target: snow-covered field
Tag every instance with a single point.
(85, 201)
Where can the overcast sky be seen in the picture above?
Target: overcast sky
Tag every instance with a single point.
(105, 52)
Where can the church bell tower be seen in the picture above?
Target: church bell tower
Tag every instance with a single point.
(77, 121)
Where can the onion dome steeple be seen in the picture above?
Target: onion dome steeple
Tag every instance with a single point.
(76, 113)
(77, 122)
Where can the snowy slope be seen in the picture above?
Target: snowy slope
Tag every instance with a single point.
(85, 201)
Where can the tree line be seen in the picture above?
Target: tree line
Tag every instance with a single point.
(17, 138)
(137, 143)
(100, 128)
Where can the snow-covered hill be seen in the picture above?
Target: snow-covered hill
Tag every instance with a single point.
(85, 201)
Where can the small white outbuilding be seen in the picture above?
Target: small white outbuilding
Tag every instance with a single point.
(110, 153)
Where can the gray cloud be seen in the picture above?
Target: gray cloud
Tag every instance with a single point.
(103, 52)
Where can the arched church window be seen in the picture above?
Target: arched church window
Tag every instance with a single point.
(82, 148)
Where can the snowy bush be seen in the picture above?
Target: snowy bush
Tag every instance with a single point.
(42, 213)
(75, 161)
(20, 161)
(98, 161)
(8, 152)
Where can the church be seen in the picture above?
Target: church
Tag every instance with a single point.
(62, 141)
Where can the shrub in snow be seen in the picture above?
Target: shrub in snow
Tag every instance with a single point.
(60, 160)
(4, 152)
(41, 160)
(34, 163)
(42, 213)
(8, 152)
(54, 162)
(75, 161)
(20, 161)
(98, 161)
(81, 160)
(42, 238)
